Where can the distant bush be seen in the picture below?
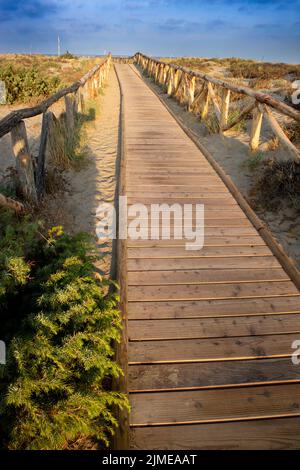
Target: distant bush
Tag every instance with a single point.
(68, 55)
(58, 321)
(25, 83)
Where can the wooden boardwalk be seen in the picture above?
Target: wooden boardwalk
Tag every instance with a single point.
(210, 332)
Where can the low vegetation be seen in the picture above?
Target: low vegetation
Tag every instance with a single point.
(276, 183)
(29, 77)
(22, 84)
(59, 320)
(240, 68)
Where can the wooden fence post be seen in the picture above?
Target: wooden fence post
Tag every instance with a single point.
(256, 129)
(212, 94)
(40, 171)
(24, 162)
(280, 134)
(191, 92)
(224, 109)
(79, 102)
(171, 82)
(70, 121)
(205, 109)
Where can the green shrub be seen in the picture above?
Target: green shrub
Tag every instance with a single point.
(25, 83)
(59, 321)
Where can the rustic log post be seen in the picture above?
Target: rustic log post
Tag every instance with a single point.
(70, 121)
(182, 90)
(24, 162)
(177, 76)
(191, 92)
(79, 101)
(212, 94)
(171, 82)
(205, 109)
(95, 88)
(40, 171)
(224, 109)
(156, 73)
(256, 129)
(165, 74)
(295, 155)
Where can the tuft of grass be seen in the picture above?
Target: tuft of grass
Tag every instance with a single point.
(254, 161)
(240, 126)
(212, 124)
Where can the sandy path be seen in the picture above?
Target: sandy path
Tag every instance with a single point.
(96, 182)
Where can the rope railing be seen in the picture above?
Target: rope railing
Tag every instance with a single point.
(30, 174)
(198, 91)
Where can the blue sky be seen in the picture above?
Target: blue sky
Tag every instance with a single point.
(261, 29)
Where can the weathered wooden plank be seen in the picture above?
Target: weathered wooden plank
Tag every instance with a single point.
(140, 330)
(210, 291)
(203, 350)
(211, 374)
(157, 278)
(214, 405)
(271, 434)
(205, 262)
(181, 251)
(213, 308)
(208, 241)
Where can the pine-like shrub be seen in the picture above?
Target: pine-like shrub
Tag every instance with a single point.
(59, 322)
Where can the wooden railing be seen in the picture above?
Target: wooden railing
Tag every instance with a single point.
(30, 174)
(198, 91)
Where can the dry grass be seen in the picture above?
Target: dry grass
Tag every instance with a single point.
(277, 183)
(260, 72)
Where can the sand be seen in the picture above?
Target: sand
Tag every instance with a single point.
(232, 152)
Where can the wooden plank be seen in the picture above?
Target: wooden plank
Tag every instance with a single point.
(219, 308)
(157, 278)
(210, 291)
(203, 350)
(205, 262)
(271, 434)
(208, 241)
(182, 252)
(140, 330)
(214, 405)
(210, 375)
